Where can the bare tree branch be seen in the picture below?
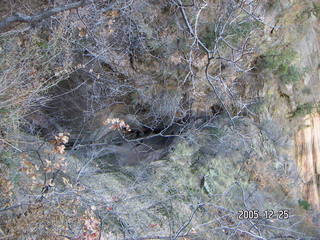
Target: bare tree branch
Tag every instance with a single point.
(21, 18)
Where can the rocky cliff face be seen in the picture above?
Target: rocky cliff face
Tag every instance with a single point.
(290, 88)
(308, 158)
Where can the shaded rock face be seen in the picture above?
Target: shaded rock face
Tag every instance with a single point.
(307, 144)
(131, 154)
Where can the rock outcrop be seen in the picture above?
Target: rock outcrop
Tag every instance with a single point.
(307, 141)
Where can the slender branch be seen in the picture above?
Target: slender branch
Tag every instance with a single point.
(216, 91)
(21, 18)
(185, 225)
(8, 143)
(159, 237)
(190, 29)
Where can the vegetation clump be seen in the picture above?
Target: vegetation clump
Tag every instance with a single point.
(305, 109)
(309, 11)
(236, 32)
(304, 204)
(280, 62)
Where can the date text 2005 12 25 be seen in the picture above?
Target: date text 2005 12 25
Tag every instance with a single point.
(267, 214)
